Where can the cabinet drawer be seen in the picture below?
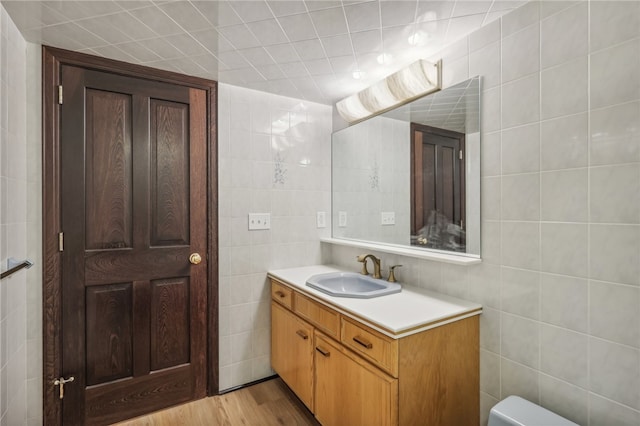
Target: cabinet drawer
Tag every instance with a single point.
(281, 293)
(374, 346)
(324, 318)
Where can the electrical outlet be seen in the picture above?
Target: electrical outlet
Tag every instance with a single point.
(388, 218)
(321, 219)
(342, 219)
(259, 221)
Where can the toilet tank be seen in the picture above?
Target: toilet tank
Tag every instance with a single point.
(516, 411)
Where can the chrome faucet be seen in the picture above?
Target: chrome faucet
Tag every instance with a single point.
(376, 265)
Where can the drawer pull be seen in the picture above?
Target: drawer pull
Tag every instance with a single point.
(359, 340)
(324, 352)
(280, 294)
(302, 334)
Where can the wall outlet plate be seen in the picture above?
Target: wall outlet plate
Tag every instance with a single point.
(259, 221)
(342, 219)
(388, 218)
(321, 219)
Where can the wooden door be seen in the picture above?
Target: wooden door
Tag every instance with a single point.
(292, 352)
(437, 177)
(133, 201)
(349, 391)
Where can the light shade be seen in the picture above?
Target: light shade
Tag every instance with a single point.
(414, 81)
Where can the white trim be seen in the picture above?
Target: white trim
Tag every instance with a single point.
(439, 256)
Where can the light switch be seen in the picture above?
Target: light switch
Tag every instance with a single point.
(388, 218)
(321, 219)
(259, 221)
(342, 219)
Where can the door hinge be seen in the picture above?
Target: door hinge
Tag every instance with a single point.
(460, 154)
(60, 95)
(61, 241)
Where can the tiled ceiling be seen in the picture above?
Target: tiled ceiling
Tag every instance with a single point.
(317, 50)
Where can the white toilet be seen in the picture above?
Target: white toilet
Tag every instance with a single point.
(516, 411)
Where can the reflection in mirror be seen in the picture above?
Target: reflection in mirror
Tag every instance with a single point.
(411, 176)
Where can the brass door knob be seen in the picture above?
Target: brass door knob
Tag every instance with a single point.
(195, 258)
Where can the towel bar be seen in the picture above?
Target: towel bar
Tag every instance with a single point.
(14, 266)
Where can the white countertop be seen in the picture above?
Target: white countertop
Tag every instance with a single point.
(395, 315)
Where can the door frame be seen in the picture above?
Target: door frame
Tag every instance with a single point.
(52, 60)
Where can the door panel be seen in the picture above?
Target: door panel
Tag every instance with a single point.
(108, 170)
(450, 206)
(105, 404)
(169, 173)
(134, 307)
(169, 323)
(109, 345)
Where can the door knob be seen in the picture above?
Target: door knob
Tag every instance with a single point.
(195, 258)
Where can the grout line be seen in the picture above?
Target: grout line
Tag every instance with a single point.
(589, 209)
(500, 274)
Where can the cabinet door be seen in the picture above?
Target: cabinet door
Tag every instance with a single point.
(350, 391)
(292, 352)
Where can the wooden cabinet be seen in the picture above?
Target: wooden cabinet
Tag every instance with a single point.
(348, 373)
(375, 347)
(322, 317)
(282, 294)
(292, 352)
(349, 390)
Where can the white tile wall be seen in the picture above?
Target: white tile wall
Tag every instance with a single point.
(274, 156)
(560, 192)
(560, 276)
(20, 307)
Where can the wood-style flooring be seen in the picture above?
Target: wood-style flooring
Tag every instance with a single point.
(267, 403)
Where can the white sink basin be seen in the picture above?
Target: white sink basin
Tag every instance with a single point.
(352, 284)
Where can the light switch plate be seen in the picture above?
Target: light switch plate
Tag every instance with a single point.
(321, 219)
(388, 218)
(342, 219)
(259, 221)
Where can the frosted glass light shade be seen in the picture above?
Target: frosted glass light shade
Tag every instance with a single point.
(418, 79)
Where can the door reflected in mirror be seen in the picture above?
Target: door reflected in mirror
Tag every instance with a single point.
(411, 176)
(437, 188)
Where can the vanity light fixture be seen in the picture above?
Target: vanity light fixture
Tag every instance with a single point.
(416, 80)
(418, 38)
(384, 58)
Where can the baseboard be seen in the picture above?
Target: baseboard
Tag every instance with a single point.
(246, 385)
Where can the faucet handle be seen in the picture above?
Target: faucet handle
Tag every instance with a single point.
(392, 276)
(363, 259)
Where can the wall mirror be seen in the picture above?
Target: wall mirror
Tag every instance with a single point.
(411, 177)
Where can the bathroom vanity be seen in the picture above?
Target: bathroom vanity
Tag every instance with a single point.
(409, 358)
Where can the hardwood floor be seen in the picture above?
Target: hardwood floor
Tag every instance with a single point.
(267, 403)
